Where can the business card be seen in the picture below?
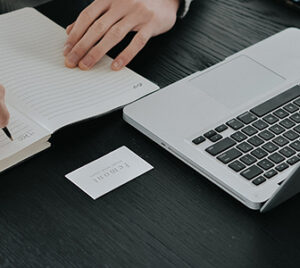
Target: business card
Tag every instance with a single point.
(109, 172)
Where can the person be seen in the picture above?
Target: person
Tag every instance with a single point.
(104, 23)
(109, 21)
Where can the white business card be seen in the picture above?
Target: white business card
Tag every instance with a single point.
(109, 172)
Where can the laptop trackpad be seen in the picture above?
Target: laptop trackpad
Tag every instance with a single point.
(238, 81)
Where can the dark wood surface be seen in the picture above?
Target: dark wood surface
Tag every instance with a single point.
(169, 217)
(8, 5)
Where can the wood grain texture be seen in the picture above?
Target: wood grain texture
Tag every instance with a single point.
(169, 217)
(8, 5)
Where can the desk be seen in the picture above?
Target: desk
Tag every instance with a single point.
(169, 217)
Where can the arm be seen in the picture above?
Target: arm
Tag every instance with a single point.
(104, 23)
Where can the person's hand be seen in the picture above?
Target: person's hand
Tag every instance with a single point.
(109, 21)
(4, 115)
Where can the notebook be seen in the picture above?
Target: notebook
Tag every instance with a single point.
(43, 95)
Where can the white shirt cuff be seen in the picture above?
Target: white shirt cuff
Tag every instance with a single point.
(184, 8)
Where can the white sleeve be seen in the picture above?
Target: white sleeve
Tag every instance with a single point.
(184, 8)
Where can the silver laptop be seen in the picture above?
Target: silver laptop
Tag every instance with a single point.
(237, 123)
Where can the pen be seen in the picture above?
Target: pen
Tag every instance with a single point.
(6, 131)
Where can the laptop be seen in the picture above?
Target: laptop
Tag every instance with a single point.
(237, 123)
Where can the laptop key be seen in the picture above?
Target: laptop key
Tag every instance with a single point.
(270, 147)
(281, 113)
(276, 158)
(287, 151)
(229, 155)
(221, 128)
(291, 135)
(295, 117)
(271, 119)
(210, 133)
(235, 124)
(293, 160)
(238, 136)
(220, 146)
(245, 147)
(248, 159)
(282, 167)
(215, 138)
(297, 102)
(249, 130)
(270, 174)
(237, 166)
(291, 108)
(295, 145)
(277, 101)
(287, 123)
(280, 141)
(251, 172)
(259, 180)
(276, 129)
(259, 153)
(260, 125)
(255, 141)
(198, 140)
(247, 118)
(297, 128)
(266, 135)
(265, 164)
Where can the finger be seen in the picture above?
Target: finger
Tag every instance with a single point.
(110, 39)
(4, 115)
(69, 28)
(92, 36)
(135, 46)
(83, 22)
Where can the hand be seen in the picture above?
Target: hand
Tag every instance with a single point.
(4, 115)
(109, 21)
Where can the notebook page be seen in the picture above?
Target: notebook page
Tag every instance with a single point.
(24, 132)
(37, 82)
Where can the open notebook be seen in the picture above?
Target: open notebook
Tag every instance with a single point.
(42, 94)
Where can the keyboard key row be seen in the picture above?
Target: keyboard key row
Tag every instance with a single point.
(277, 101)
(213, 136)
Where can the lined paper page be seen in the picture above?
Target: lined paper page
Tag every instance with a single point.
(24, 132)
(37, 82)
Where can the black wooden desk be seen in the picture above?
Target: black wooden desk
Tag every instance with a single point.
(169, 217)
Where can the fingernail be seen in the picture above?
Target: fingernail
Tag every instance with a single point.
(118, 64)
(86, 63)
(67, 48)
(72, 59)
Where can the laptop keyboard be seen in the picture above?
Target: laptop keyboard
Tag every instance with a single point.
(266, 140)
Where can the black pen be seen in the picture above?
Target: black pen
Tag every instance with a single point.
(6, 131)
